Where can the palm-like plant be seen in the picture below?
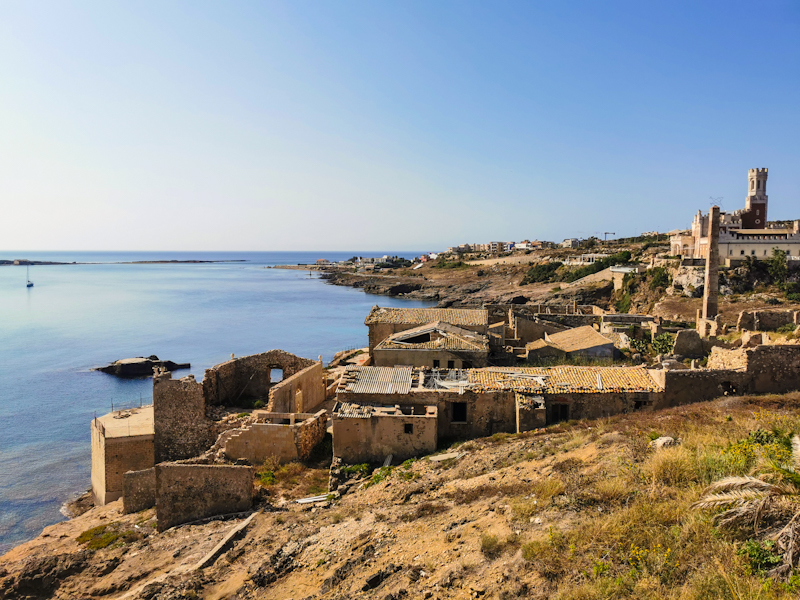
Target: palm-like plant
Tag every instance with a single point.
(746, 499)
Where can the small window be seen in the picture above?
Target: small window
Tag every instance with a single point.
(741, 252)
(459, 412)
(436, 364)
(752, 252)
(408, 428)
(451, 364)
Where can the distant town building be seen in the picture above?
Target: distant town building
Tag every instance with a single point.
(570, 243)
(743, 232)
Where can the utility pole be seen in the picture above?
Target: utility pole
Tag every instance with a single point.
(606, 234)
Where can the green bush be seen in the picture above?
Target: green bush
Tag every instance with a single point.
(540, 273)
(659, 278)
(663, 343)
(760, 556)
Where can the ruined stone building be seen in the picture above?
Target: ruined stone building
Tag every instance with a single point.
(435, 345)
(743, 233)
(164, 455)
(384, 322)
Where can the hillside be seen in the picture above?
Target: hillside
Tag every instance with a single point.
(581, 510)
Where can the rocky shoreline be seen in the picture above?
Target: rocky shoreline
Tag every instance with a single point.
(469, 292)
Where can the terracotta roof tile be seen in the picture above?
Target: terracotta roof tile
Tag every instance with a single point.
(421, 316)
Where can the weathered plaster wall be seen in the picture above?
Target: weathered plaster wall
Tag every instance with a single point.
(139, 490)
(187, 492)
(112, 458)
(774, 369)
(301, 391)
(179, 418)
(372, 440)
(487, 412)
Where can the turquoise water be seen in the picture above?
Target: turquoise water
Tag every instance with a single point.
(81, 316)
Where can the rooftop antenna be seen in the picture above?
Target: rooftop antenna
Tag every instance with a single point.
(717, 201)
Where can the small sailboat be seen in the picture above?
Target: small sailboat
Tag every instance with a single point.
(28, 277)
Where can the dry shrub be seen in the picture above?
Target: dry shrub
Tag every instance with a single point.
(472, 494)
(424, 509)
(609, 490)
(670, 466)
(542, 494)
(491, 546)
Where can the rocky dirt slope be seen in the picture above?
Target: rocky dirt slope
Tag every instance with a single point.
(582, 510)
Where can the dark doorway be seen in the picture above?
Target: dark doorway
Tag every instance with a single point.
(560, 412)
(459, 412)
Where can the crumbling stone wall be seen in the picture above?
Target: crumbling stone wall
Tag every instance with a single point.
(239, 381)
(735, 359)
(286, 442)
(139, 490)
(530, 329)
(766, 320)
(301, 392)
(774, 369)
(684, 386)
(179, 418)
(188, 492)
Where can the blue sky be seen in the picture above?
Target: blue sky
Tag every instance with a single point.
(373, 125)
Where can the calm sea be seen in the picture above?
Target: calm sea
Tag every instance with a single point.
(81, 316)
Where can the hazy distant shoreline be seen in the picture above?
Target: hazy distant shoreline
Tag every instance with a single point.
(20, 262)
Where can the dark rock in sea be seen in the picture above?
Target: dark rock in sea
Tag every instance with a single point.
(140, 366)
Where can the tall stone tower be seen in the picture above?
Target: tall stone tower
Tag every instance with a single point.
(755, 215)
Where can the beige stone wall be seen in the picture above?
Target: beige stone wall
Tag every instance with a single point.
(766, 320)
(139, 490)
(98, 463)
(112, 458)
(300, 392)
(188, 492)
(372, 440)
(528, 330)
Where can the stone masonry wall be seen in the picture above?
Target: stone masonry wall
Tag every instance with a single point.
(139, 490)
(310, 433)
(248, 377)
(179, 418)
(766, 320)
(774, 369)
(735, 359)
(187, 492)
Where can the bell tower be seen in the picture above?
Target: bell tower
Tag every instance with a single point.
(755, 215)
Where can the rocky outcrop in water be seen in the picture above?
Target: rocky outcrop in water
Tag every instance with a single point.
(140, 366)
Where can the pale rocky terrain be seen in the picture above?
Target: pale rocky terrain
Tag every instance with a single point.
(511, 516)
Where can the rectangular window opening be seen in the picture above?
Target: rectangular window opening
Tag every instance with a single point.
(451, 364)
(408, 428)
(435, 364)
(459, 412)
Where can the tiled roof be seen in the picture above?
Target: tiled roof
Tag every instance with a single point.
(579, 338)
(420, 316)
(376, 380)
(452, 338)
(566, 379)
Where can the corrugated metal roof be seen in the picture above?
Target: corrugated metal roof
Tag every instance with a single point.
(421, 316)
(376, 380)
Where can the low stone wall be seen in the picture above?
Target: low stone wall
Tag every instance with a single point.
(139, 490)
(735, 359)
(285, 441)
(187, 492)
(766, 320)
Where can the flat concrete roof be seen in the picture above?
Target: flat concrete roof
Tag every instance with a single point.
(128, 422)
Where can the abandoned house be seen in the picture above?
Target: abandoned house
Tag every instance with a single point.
(369, 433)
(435, 345)
(582, 342)
(383, 322)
